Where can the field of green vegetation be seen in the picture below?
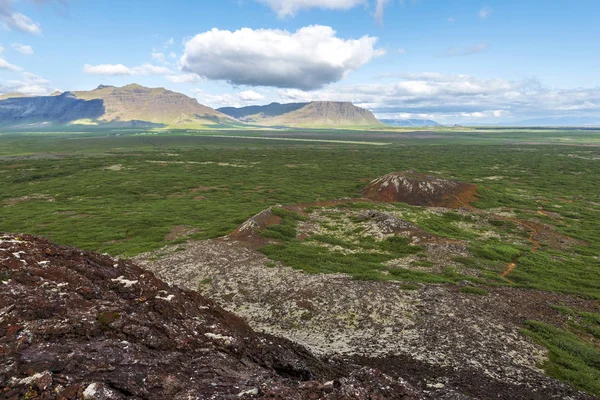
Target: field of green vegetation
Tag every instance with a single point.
(124, 192)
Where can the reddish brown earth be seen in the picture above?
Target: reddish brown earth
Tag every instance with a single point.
(79, 325)
(420, 190)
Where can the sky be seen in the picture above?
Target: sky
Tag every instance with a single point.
(453, 61)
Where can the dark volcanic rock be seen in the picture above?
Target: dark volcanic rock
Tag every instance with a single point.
(420, 190)
(79, 325)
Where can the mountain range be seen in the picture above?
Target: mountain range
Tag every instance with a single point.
(410, 122)
(137, 106)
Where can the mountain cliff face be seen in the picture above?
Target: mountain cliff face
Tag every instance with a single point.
(131, 105)
(318, 114)
(46, 110)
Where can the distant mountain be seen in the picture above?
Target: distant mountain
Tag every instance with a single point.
(154, 105)
(410, 122)
(558, 122)
(131, 105)
(43, 111)
(138, 106)
(317, 114)
(11, 95)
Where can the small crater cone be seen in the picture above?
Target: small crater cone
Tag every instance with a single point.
(418, 189)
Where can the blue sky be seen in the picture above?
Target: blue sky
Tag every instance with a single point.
(464, 61)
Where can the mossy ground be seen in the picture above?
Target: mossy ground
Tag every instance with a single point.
(62, 187)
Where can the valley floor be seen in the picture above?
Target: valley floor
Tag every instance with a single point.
(496, 299)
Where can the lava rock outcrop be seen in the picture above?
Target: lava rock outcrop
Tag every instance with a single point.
(420, 190)
(79, 325)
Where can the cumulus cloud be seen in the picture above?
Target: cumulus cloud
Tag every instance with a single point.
(239, 99)
(485, 12)
(250, 96)
(285, 8)
(14, 20)
(307, 59)
(122, 70)
(23, 49)
(455, 98)
(184, 78)
(467, 51)
(29, 84)
(8, 66)
(107, 69)
(158, 56)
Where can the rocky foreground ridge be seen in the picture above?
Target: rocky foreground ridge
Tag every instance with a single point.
(79, 325)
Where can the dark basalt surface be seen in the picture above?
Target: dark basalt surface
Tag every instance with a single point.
(79, 325)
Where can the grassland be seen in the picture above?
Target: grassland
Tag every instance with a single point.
(124, 192)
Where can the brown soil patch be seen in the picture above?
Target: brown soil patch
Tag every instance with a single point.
(420, 190)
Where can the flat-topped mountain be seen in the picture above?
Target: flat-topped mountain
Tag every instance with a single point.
(317, 114)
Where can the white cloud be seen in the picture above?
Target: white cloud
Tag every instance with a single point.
(107, 69)
(169, 42)
(485, 12)
(122, 70)
(285, 8)
(172, 55)
(1, 49)
(250, 96)
(219, 100)
(309, 58)
(456, 98)
(29, 84)
(149, 69)
(13, 20)
(401, 51)
(379, 8)
(160, 57)
(467, 51)
(184, 78)
(23, 49)
(8, 66)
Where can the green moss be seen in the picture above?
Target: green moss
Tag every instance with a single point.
(474, 290)
(571, 359)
